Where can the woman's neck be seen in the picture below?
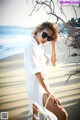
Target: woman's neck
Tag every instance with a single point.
(36, 39)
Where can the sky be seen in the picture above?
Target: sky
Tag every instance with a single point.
(17, 12)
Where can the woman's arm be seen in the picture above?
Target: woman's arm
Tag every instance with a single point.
(47, 89)
(41, 80)
(53, 57)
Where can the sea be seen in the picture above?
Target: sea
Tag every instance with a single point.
(13, 41)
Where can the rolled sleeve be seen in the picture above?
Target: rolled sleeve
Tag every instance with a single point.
(36, 70)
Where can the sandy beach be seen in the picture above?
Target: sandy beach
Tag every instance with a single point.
(13, 94)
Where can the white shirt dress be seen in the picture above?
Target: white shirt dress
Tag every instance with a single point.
(35, 61)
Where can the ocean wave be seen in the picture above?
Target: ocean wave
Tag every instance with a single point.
(12, 31)
(11, 46)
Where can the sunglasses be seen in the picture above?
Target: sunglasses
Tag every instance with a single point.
(45, 35)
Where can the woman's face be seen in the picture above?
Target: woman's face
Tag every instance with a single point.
(44, 36)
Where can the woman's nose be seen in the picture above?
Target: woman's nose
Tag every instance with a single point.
(45, 39)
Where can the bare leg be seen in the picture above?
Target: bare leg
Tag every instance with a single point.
(58, 110)
(35, 110)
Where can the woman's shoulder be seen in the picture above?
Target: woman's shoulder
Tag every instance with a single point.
(31, 43)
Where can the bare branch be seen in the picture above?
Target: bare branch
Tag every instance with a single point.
(33, 9)
(74, 11)
(57, 17)
(46, 4)
(27, 1)
(61, 8)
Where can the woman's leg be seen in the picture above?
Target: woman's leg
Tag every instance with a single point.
(35, 111)
(58, 110)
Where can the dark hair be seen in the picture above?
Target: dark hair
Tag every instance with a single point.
(48, 25)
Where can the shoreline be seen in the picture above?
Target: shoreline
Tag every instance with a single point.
(15, 56)
(72, 59)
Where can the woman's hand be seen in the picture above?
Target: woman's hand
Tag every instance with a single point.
(55, 100)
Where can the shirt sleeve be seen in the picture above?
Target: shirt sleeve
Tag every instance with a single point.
(32, 59)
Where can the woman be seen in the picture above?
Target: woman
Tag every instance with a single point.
(35, 65)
